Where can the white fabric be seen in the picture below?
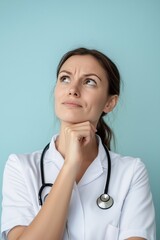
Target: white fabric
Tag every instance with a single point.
(131, 215)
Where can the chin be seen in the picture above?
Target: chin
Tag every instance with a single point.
(72, 119)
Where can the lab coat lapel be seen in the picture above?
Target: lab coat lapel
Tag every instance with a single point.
(93, 172)
(96, 168)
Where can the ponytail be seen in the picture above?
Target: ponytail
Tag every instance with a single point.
(105, 132)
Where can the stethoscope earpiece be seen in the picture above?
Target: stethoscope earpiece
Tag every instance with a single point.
(105, 201)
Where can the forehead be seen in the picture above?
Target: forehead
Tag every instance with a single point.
(86, 63)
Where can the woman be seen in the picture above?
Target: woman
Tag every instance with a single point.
(87, 88)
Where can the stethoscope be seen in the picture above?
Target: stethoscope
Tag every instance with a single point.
(105, 201)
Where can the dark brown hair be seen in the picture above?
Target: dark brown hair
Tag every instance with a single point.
(113, 77)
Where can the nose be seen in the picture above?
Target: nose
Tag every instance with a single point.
(74, 91)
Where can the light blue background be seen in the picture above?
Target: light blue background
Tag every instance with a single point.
(33, 37)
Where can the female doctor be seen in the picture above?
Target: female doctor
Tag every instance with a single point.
(76, 163)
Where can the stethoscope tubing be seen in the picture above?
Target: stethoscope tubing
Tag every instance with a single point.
(105, 201)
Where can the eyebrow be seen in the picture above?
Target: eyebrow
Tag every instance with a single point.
(86, 75)
(93, 74)
(65, 71)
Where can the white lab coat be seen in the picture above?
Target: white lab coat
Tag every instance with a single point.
(131, 215)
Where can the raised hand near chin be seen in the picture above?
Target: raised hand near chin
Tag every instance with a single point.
(79, 139)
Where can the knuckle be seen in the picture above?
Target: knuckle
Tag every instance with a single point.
(88, 123)
(68, 130)
(72, 133)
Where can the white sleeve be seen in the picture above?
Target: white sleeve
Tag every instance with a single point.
(138, 215)
(17, 208)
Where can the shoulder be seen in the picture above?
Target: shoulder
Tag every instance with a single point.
(128, 168)
(28, 162)
(19, 162)
(129, 176)
(125, 162)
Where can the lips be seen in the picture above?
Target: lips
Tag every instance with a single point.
(72, 104)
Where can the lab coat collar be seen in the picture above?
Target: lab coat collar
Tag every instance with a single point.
(94, 170)
(53, 155)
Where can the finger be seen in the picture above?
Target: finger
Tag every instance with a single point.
(84, 125)
(79, 135)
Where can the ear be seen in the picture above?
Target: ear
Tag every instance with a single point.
(111, 103)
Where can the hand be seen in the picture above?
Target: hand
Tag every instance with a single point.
(78, 138)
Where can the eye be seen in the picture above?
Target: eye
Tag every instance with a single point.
(90, 82)
(65, 79)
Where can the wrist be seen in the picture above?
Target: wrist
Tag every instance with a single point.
(71, 169)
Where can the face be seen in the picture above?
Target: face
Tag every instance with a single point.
(81, 91)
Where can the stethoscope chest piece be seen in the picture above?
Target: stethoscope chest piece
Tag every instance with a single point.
(105, 201)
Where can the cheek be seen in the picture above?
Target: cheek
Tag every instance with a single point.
(56, 98)
(57, 94)
(99, 104)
